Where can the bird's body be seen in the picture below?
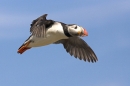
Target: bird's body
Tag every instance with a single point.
(53, 34)
(45, 32)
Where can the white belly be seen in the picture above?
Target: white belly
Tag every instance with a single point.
(43, 41)
(53, 34)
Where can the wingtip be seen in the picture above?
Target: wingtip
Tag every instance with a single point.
(45, 15)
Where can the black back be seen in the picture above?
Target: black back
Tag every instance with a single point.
(40, 25)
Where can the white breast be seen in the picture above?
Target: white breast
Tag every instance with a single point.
(53, 34)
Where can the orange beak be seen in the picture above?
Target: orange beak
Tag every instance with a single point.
(85, 33)
(24, 47)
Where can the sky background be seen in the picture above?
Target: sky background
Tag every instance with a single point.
(108, 25)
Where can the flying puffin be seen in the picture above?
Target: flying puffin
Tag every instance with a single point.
(45, 32)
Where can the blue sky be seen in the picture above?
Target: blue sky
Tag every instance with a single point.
(108, 25)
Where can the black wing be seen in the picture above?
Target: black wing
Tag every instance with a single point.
(38, 26)
(79, 48)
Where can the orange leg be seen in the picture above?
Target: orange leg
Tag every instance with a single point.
(24, 47)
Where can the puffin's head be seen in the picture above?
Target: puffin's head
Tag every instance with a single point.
(76, 30)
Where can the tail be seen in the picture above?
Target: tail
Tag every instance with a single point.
(24, 47)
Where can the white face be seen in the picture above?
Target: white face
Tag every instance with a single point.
(75, 30)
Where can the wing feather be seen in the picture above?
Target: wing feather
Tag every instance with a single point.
(39, 26)
(79, 48)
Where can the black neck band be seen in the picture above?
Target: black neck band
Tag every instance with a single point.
(66, 30)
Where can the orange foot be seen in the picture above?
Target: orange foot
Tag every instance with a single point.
(24, 47)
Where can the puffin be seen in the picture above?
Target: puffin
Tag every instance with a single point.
(46, 31)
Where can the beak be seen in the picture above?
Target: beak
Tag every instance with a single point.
(83, 33)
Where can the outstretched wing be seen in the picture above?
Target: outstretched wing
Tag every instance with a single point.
(38, 26)
(79, 48)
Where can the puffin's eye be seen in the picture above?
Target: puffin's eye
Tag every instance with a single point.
(75, 27)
